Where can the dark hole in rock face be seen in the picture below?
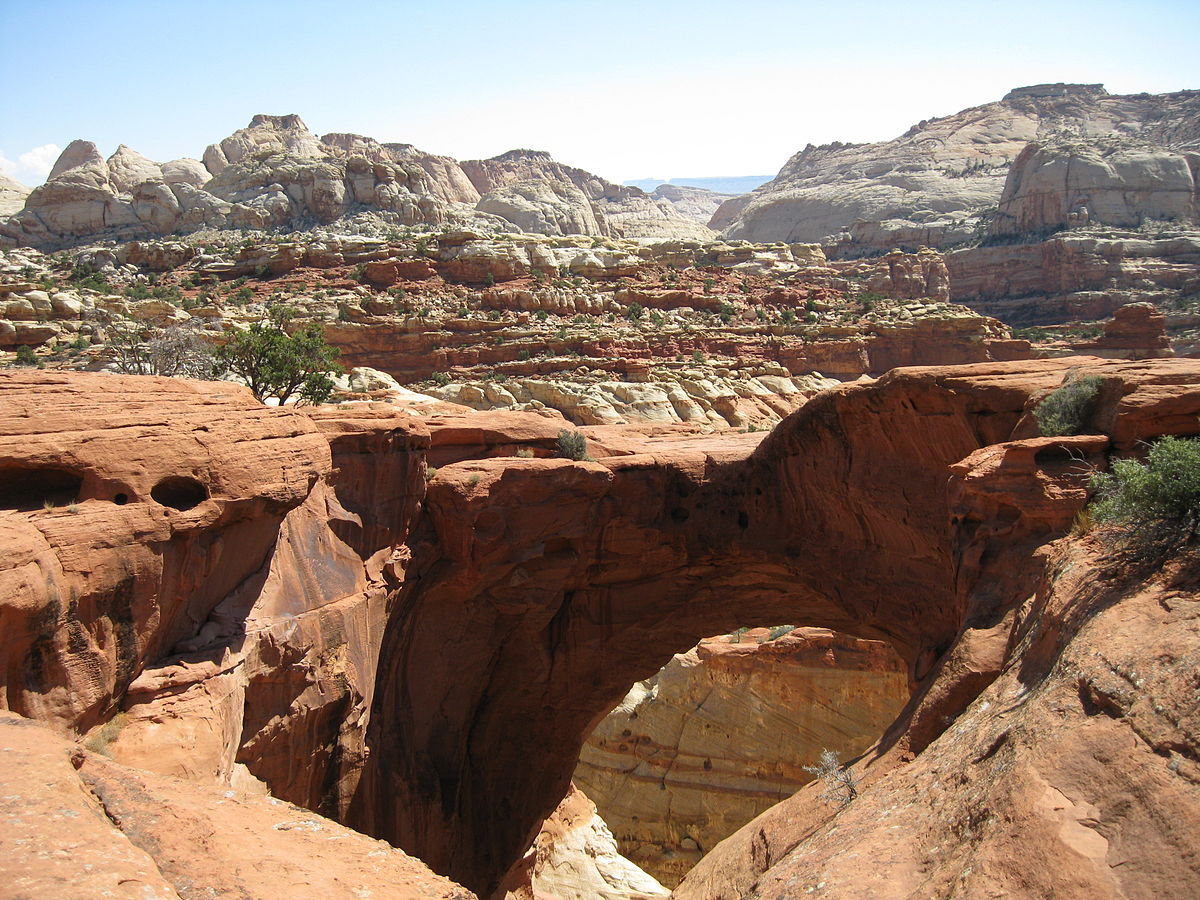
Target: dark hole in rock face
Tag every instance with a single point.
(120, 499)
(32, 487)
(179, 492)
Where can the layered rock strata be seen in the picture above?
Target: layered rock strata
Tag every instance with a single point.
(726, 730)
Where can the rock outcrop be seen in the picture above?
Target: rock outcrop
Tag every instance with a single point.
(431, 675)
(724, 732)
(531, 190)
(1136, 331)
(276, 173)
(1106, 181)
(75, 824)
(575, 858)
(12, 195)
(934, 185)
(695, 203)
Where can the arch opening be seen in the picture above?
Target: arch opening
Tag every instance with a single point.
(27, 488)
(724, 731)
(179, 492)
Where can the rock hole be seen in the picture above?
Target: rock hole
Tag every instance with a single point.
(120, 499)
(28, 488)
(679, 515)
(179, 492)
(743, 520)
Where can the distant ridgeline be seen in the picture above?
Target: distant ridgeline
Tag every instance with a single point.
(720, 184)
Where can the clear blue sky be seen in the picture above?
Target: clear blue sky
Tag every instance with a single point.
(625, 89)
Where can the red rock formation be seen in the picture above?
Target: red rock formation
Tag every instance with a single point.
(1070, 775)
(552, 615)
(209, 570)
(78, 825)
(1136, 331)
(531, 592)
(161, 498)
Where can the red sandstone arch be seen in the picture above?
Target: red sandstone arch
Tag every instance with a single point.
(542, 589)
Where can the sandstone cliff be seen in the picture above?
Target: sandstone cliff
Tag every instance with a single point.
(12, 195)
(933, 185)
(724, 732)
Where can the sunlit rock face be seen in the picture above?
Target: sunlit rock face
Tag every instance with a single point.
(725, 731)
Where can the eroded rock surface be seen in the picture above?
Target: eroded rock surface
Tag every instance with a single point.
(442, 668)
(275, 172)
(854, 482)
(574, 857)
(724, 732)
(78, 825)
(933, 185)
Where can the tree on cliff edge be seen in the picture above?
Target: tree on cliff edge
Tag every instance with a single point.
(275, 364)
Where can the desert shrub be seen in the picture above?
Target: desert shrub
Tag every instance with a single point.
(276, 364)
(735, 636)
(441, 379)
(1152, 506)
(841, 786)
(84, 276)
(778, 631)
(26, 356)
(1065, 410)
(180, 351)
(572, 445)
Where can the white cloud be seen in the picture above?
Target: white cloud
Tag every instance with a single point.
(31, 167)
(39, 161)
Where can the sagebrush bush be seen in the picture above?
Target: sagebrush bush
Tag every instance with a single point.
(1066, 409)
(841, 785)
(1153, 505)
(572, 445)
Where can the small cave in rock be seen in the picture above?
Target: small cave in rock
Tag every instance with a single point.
(179, 492)
(26, 488)
(726, 730)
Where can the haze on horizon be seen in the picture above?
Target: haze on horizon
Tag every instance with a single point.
(626, 90)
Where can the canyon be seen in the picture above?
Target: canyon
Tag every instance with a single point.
(236, 594)
(410, 642)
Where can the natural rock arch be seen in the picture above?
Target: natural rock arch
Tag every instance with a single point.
(542, 589)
